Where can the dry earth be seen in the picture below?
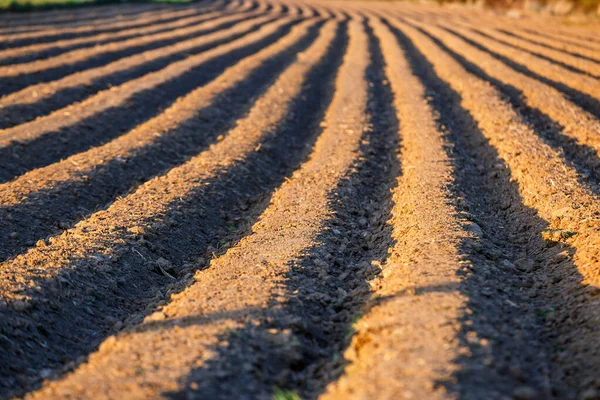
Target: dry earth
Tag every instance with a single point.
(265, 199)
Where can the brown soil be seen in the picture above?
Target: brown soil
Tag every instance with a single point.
(282, 199)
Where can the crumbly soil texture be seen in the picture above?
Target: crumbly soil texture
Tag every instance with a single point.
(299, 199)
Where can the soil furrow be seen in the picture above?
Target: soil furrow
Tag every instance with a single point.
(39, 21)
(174, 216)
(18, 76)
(319, 296)
(561, 35)
(16, 27)
(41, 99)
(573, 64)
(44, 201)
(38, 52)
(221, 285)
(558, 34)
(524, 30)
(405, 342)
(89, 15)
(581, 90)
(582, 53)
(13, 39)
(113, 112)
(489, 369)
(562, 124)
(525, 26)
(554, 250)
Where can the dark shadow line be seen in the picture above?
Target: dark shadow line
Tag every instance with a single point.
(55, 51)
(583, 158)
(315, 321)
(516, 35)
(133, 13)
(17, 114)
(47, 212)
(583, 100)
(65, 36)
(498, 310)
(13, 84)
(19, 158)
(71, 320)
(534, 53)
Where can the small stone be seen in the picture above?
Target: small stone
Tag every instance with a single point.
(474, 229)
(528, 283)
(524, 264)
(45, 373)
(362, 221)
(525, 393)
(20, 305)
(590, 394)
(13, 235)
(508, 266)
(562, 212)
(64, 225)
(560, 257)
(517, 373)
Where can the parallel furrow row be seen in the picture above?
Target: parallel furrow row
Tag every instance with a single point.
(116, 268)
(51, 138)
(83, 16)
(18, 76)
(550, 187)
(234, 304)
(274, 199)
(40, 99)
(13, 39)
(590, 67)
(581, 89)
(40, 51)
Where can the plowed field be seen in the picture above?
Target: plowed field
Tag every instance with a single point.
(265, 199)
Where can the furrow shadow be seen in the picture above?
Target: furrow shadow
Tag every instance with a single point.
(47, 212)
(82, 15)
(61, 21)
(72, 35)
(72, 320)
(14, 83)
(17, 114)
(55, 51)
(509, 344)
(571, 53)
(539, 55)
(583, 100)
(18, 158)
(582, 157)
(315, 319)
